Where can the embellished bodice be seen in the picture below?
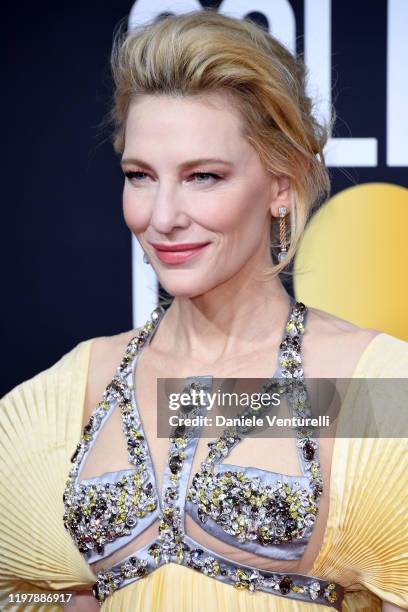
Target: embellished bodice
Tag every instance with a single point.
(260, 511)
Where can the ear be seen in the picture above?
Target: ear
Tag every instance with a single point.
(281, 194)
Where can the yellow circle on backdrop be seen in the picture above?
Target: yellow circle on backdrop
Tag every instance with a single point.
(353, 258)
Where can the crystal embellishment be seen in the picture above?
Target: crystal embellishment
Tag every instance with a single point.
(250, 510)
(246, 508)
(108, 582)
(96, 515)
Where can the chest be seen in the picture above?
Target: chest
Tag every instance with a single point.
(263, 454)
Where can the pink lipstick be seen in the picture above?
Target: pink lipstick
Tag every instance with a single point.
(178, 253)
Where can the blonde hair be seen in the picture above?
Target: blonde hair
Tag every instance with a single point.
(204, 51)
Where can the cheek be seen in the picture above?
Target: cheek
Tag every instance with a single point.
(238, 211)
(136, 214)
(232, 213)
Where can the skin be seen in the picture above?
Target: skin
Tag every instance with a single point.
(223, 320)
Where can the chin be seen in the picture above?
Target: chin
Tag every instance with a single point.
(186, 288)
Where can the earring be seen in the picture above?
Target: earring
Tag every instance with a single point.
(146, 259)
(282, 233)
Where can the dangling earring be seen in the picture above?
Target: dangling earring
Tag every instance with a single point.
(146, 259)
(282, 233)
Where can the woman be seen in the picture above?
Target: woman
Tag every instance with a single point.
(217, 143)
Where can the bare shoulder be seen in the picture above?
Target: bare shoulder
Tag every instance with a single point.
(105, 356)
(337, 344)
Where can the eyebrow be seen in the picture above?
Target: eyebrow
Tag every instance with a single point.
(184, 166)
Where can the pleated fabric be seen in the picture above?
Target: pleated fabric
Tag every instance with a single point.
(365, 545)
(40, 425)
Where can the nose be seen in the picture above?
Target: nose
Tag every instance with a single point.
(168, 210)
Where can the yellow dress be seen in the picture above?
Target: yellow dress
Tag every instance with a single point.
(365, 546)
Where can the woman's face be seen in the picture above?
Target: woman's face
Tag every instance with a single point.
(195, 185)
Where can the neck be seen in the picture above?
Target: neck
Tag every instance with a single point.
(226, 321)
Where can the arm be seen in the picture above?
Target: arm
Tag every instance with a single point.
(83, 601)
(387, 607)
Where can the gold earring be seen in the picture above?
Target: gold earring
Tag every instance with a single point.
(282, 233)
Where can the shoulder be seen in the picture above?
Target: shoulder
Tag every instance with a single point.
(105, 355)
(107, 350)
(333, 346)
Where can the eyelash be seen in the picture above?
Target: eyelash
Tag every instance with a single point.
(132, 174)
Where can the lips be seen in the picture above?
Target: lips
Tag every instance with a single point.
(184, 246)
(178, 253)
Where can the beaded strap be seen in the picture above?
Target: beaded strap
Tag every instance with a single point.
(242, 577)
(98, 514)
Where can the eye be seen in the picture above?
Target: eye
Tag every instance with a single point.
(132, 174)
(205, 176)
(202, 177)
